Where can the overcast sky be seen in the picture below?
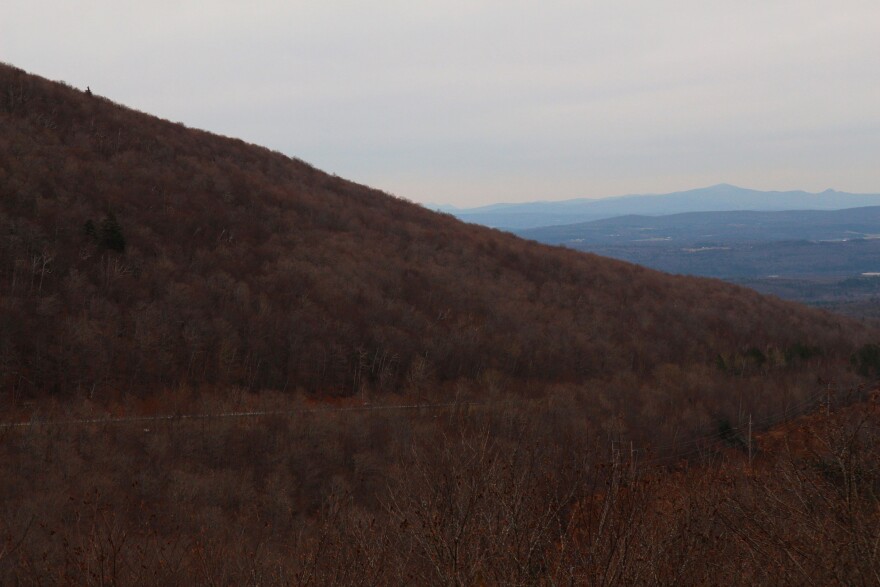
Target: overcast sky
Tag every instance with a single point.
(482, 101)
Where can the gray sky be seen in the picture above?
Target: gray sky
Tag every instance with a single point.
(475, 102)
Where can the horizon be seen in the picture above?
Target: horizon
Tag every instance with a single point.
(440, 206)
(477, 104)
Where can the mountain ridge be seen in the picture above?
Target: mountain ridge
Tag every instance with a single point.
(716, 198)
(690, 227)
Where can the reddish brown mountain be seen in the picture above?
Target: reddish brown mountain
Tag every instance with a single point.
(137, 254)
(142, 263)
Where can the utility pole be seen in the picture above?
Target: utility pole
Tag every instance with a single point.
(750, 440)
(632, 461)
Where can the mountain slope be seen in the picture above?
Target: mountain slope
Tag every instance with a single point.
(722, 197)
(138, 254)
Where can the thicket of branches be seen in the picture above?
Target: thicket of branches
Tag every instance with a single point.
(460, 497)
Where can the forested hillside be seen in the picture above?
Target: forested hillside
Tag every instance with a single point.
(140, 255)
(509, 495)
(219, 365)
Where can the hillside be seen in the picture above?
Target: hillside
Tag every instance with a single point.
(140, 255)
(220, 365)
(717, 198)
(470, 496)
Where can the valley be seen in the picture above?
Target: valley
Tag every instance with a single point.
(822, 258)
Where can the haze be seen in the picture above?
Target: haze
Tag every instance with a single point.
(469, 103)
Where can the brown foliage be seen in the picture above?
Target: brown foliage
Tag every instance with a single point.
(138, 255)
(146, 268)
(458, 497)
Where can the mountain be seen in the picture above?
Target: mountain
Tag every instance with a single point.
(139, 255)
(221, 365)
(722, 197)
(705, 228)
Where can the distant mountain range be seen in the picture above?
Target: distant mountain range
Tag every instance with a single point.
(717, 198)
(707, 228)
